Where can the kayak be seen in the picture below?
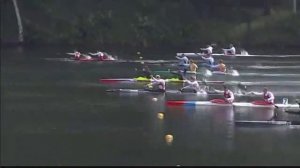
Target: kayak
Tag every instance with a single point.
(221, 102)
(269, 75)
(91, 59)
(270, 67)
(188, 91)
(265, 83)
(264, 123)
(236, 55)
(149, 91)
(116, 60)
(203, 73)
(292, 110)
(179, 72)
(143, 79)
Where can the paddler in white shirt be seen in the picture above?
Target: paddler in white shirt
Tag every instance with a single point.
(157, 84)
(102, 56)
(268, 96)
(193, 84)
(230, 50)
(77, 55)
(228, 94)
(99, 54)
(208, 50)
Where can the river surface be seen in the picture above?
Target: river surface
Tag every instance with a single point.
(56, 112)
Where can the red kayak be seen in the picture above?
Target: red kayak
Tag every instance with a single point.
(91, 59)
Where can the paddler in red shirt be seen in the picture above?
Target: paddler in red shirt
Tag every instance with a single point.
(228, 94)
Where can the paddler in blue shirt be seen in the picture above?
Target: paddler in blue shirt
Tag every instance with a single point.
(209, 61)
(183, 63)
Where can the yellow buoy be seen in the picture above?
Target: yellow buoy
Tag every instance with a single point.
(141, 57)
(138, 53)
(169, 139)
(142, 62)
(160, 115)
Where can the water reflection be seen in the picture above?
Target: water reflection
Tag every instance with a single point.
(203, 125)
(57, 112)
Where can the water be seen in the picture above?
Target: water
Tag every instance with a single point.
(57, 113)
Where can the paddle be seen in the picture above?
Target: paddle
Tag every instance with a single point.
(70, 53)
(298, 102)
(243, 87)
(86, 55)
(274, 116)
(293, 111)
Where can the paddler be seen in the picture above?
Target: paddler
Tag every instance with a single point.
(183, 63)
(157, 84)
(208, 50)
(209, 61)
(77, 55)
(192, 84)
(102, 56)
(228, 94)
(268, 96)
(193, 66)
(99, 54)
(219, 67)
(230, 50)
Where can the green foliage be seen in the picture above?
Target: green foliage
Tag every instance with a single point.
(148, 23)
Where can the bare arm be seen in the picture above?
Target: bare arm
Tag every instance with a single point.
(94, 53)
(179, 58)
(216, 90)
(207, 59)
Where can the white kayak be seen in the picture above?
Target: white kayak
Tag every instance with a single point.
(153, 91)
(265, 123)
(236, 55)
(237, 104)
(269, 75)
(271, 67)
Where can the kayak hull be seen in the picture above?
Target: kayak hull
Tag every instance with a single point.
(237, 104)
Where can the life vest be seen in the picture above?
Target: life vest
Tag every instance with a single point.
(266, 95)
(222, 67)
(193, 67)
(227, 94)
(209, 50)
(105, 56)
(77, 54)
